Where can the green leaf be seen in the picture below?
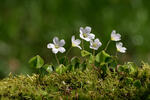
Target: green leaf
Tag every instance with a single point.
(48, 68)
(137, 83)
(120, 68)
(128, 80)
(129, 68)
(36, 62)
(104, 69)
(92, 59)
(85, 53)
(64, 60)
(103, 57)
(83, 66)
(126, 68)
(133, 67)
(112, 63)
(61, 69)
(75, 61)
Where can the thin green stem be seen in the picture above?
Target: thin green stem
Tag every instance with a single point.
(107, 45)
(93, 52)
(57, 59)
(68, 51)
(83, 44)
(116, 53)
(94, 55)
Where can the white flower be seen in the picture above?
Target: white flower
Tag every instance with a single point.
(75, 43)
(120, 47)
(86, 33)
(57, 46)
(95, 44)
(115, 36)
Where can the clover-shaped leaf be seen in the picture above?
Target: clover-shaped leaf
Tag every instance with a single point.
(75, 61)
(61, 69)
(83, 66)
(112, 63)
(48, 68)
(64, 60)
(91, 59)
(85, 53)
(36, 62)
(103, 57)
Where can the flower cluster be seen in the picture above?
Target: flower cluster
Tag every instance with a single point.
(85, 34)
(119, 45)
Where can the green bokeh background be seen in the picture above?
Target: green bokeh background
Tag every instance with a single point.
(27, 26)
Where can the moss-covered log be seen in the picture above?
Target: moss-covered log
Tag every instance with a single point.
(87, 84)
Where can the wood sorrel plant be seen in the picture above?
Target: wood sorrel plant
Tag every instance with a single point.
(102, 62)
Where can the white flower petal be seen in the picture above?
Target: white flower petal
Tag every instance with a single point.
(73, 38)
(115, 36)
(96, 41)
(61, 49)
(79, 47)
(123, 50)
(56, 40)
(81, 36)
(95, 45)
(87, 39)
(78, 41)
(120, 47)
(91, 42)
(91, 47)
(62, 43)
(86, 33)
(120, 44)
(81, 30)
(91, 36)
(113, 32)
(55, 51)
(50, 45)
(87, 29)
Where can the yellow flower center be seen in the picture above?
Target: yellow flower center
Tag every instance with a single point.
(118, 49)
(112, 38)
(85, 35)
(73, 44)
(56, 46)
(94, 45)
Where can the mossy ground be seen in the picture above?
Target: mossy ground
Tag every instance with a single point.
(80, 85)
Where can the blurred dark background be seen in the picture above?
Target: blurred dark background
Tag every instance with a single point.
(27, 26)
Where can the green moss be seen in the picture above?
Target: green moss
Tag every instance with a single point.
(87, 84)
